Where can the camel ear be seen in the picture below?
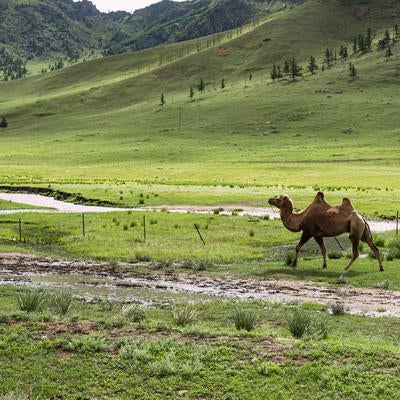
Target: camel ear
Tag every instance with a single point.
(285, 198)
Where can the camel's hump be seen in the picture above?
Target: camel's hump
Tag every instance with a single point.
(346, 202)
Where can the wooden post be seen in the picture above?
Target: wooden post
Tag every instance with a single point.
(397, 223)
(180, 119)
(20, 230)
(83, 225)
(198, 231)
(144, 228)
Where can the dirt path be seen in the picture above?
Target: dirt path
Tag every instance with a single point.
(15, 267)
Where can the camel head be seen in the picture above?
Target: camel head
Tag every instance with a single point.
(281, 202)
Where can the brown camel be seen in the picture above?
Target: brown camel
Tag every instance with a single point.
(321, 220)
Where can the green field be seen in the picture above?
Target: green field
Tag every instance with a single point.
(94, 351)
(95, 122)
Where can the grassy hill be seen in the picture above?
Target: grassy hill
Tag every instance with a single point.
(101, 120)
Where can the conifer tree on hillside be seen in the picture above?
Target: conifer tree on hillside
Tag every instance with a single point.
(352, 70)
(328, 58)
(191, 93)
(223, 83)
(368, 42)
(312, 65)
(295, 69)
(3, 123)
(162, 100)
(202, 86)
(388, 53)
(355, 45)
(286, 68)
(274, 73)
(279, 73)
(250, 76)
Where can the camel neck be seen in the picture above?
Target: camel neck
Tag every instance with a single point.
(291, 220)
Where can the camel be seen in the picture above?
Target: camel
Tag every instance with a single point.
(320, 220)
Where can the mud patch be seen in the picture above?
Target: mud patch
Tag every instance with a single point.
(164, 288)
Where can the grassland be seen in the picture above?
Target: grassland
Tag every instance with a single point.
(97, 122)
(96, 352)
(246, 247)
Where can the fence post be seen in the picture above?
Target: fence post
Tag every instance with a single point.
(144, 228)
(83, 225)
(20, 230)
(198, 231)
(397, 223)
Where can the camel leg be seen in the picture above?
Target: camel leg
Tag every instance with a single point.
(305, 237)
(321, 245)
(367, 238)
(356, 252)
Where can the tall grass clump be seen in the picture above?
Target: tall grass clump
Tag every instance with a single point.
(244, 319)
(61, 301)
(299, 323)
(134, 313)
(394, 249)
(30, 300)
(337, 309)
(184, 315)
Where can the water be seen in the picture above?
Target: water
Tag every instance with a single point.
(51, 205)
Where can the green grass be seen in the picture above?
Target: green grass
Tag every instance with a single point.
(358, 359)
(8, 205)
(69, 127)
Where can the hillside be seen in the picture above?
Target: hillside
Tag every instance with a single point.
(102, 120)
(50, 28)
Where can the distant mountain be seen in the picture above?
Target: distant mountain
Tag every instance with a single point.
(50, 28)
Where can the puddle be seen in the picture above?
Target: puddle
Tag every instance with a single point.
(99, 280)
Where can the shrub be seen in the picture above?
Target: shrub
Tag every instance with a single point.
(153, 222)
(125, 227)
(252, 233)
(289, 258)
(380, 241)
(319, 328)
(335, 255)
(133, 224)
(61, 301)
(116, 321)
(269, 369)
(184, 315)
(383, 285)
(337, 309)
(132, 352)
(342, 280)
(394, 249)
(299, 322)
(30, 300)
(142, 257)
(85, 344)
(217, 211)
(134, 313)
(244, 319)
(163, 368)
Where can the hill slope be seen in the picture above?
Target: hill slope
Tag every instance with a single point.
(101, 120)
(47, 28)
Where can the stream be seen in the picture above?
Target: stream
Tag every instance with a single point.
(51, 205)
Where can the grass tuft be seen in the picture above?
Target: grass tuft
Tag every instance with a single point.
(184, 315)
(31, 300)
(244, 319)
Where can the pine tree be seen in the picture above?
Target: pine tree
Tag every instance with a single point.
(250, 76)
(368, 41)
(312, 65)
(286, 68)
(162, 101)
(353, 71)
(295, 69)
(202, 86)
(191, 93)
(345, 52)
(355, 44)
(389, 53)
(274, 73)
(279, 73)
(223, 84)
(328, 57)
(3, 123)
